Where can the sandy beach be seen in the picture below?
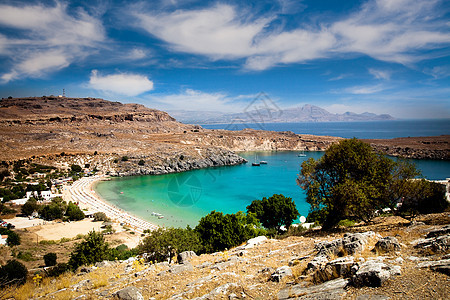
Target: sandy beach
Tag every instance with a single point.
(83, 193)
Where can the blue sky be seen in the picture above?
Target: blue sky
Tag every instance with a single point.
(382, 56)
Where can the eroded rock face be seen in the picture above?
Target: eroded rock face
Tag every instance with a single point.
(351, 243)
(333, 289)
(280, 273)
(387, 244)
(340, 267)
(185, 256)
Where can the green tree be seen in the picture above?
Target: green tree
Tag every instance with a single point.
(422, 196)
(100, 216)
(76, 168)
(161, 243)
(50, 259)
(30, 206)
(352, 181)
(13, 239)
(92, 249)
(14, 272)
(218, 231)
(55, 210)
(275, 211)
(74, 212)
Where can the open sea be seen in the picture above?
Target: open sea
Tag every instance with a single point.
(183, 198)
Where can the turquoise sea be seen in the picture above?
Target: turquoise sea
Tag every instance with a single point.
(183, 198)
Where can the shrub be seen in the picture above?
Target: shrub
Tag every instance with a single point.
(50, 259)
(159, 243)
(218, 231)
(14, 272)
(124, 158)
(58, 269)
(141, 162)
(100, 216)
(13, 239)
(25, 256)
(76, 168)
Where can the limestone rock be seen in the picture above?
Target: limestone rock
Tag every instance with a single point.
(185, 256)
(316, 263)
(435, 244)
(373, 273)
(340, 267)
(253, 242)
(186, 267)
(387, 244)
(372, 297)
(333, 289)
(280, 273)
(129, 293)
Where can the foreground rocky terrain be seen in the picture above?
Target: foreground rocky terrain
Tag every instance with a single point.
(392, 258)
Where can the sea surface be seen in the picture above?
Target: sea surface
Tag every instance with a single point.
(362, 130)
(183, 198)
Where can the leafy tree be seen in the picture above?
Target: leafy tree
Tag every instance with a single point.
(30, 206)
(74, 212)
(92, 249)
(58, 269)
(351, 180)
(100, 216)
(14, 272)
(275, 211)
(55, 210)
(218, 231)
(164, 242)
(422, 196)
(76, 168)
(122, 252)
(50, 259)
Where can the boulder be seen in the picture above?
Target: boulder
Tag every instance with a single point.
(332, 248)
(129, 293)
(351, 243)
(341, 267)
(185, 256)
(333, 289)
(253, 242)
(316, 263)
(373, 273)
(435, 244)
(280, 273)
(387, 244)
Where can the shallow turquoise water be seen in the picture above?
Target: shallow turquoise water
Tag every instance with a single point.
(183, 198)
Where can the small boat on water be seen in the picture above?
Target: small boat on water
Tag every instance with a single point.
(160, 217)
(263, 162)
(255, 163)
(301, 154)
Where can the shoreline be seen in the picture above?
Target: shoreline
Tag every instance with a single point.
(82, 191)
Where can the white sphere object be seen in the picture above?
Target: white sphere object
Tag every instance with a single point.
(302, 219)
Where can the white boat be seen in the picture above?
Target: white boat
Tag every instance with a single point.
(255, 164)
(263, 162)
(301, 154)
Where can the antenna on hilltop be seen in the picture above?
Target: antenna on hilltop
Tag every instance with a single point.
(64, 92)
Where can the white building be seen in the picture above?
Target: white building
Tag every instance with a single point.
(3, 239)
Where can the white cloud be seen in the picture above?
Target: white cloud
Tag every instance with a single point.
(439, 72)
(51, 39)
(380, 74)
(383, 29)
(123, 84)
(364, 90)
(136, 54)
(192, 100)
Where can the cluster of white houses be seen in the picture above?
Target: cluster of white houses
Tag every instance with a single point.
(43, 196)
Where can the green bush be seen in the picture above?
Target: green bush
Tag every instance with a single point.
(13, 272)
(13, 239)
(25, 256)
(141, 162)
(124, 158)
(30, 206)
(76, 168)
(275, 211)
(100, 216)
(92, 249)
(219, 232)
(159, 243)
(58, 270)
(74, 213)
(50, 259)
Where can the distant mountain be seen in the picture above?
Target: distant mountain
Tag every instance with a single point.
(306, 113)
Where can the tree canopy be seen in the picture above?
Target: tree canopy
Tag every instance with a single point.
(92, 249)
(275, 211)
(351, 180)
